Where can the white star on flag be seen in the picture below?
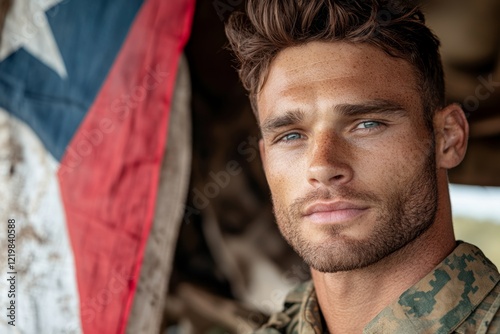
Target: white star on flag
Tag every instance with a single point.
(26, 26)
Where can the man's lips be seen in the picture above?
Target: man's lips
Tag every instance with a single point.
(333, 212)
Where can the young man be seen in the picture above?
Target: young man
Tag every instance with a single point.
(356, 144)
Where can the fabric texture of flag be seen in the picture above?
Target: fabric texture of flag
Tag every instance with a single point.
(85, 93)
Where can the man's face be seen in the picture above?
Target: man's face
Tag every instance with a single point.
(347, 155)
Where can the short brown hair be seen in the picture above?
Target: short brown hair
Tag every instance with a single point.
(269, 26)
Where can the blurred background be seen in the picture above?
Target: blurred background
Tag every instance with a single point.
(215, 261)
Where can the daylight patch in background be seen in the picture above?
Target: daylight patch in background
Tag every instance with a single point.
(476, 217)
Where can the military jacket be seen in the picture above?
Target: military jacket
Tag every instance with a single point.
(461, 295)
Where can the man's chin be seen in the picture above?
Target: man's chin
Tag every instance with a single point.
(338, 255)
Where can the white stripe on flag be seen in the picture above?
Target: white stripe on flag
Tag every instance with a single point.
(46, 293)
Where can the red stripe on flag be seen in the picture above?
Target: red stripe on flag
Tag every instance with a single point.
(110, 172)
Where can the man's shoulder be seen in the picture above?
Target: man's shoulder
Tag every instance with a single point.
(463, 293)
(287, 321)
(486, 317)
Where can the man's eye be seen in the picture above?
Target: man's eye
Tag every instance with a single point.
(368, 125)
(291, 137)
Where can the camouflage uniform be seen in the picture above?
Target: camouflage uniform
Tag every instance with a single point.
(461, 295)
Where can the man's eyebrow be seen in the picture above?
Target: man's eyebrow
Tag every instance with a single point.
(347, 110)
(289, 118)
(385, 107)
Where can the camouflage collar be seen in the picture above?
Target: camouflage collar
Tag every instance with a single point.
(438, 303)
(444, 298)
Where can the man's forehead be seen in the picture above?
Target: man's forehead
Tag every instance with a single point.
(297, 73)
(309, 54)
(324, 60)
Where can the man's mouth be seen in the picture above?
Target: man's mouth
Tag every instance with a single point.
(333, 212)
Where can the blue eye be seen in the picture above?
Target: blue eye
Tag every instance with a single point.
(292, 136)
(368, 125)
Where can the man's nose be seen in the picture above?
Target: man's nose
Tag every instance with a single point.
(329, 162)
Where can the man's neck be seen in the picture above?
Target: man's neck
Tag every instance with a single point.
(350, 300)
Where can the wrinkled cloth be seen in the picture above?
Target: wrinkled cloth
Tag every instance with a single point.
(461, 295)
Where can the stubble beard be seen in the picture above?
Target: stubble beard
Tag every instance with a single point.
(403, 217)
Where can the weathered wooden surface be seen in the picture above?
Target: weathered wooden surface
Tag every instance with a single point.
(149, 300)
(4, 9)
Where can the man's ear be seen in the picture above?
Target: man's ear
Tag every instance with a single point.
(452, 132)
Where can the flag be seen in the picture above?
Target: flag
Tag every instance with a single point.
(85, 93)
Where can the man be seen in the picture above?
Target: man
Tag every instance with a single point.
(356, 144)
